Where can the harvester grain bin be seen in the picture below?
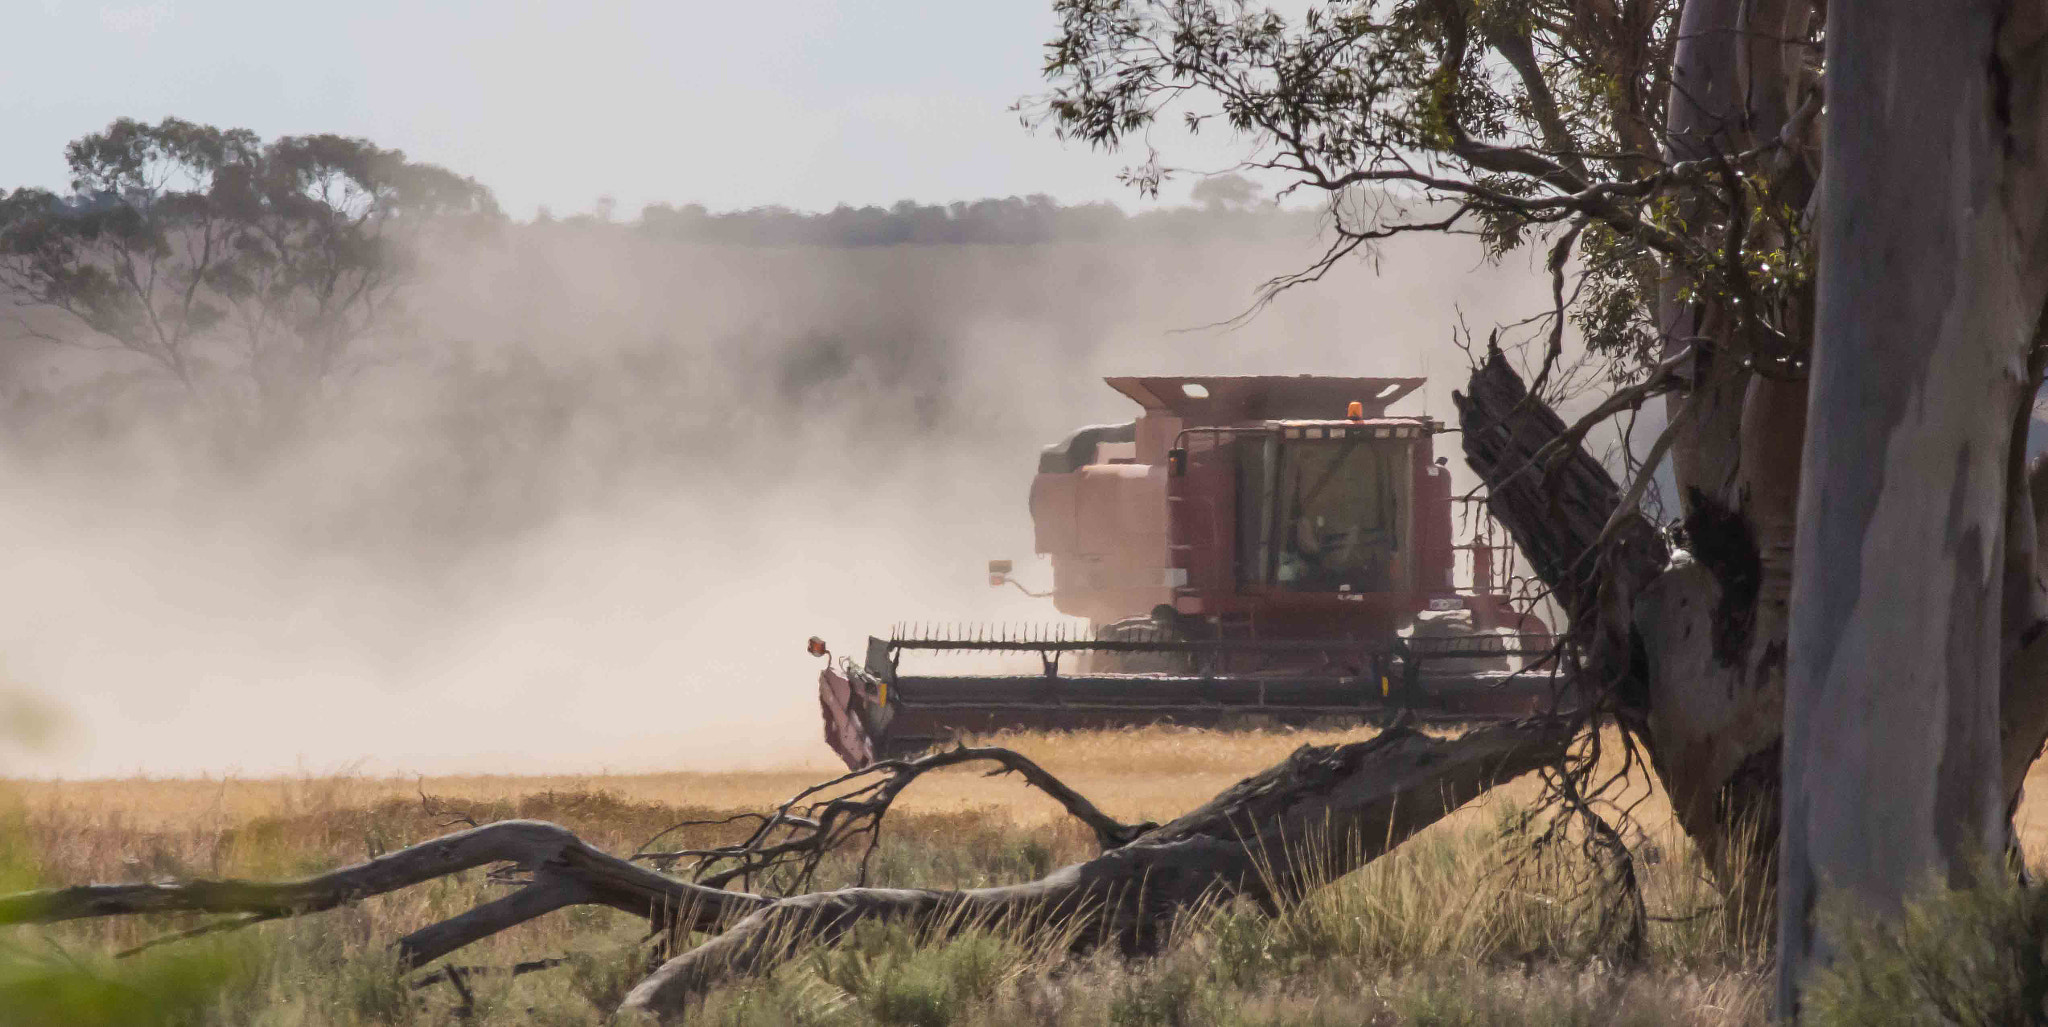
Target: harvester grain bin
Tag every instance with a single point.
(1248, 550)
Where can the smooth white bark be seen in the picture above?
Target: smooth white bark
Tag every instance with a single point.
(1929, 293)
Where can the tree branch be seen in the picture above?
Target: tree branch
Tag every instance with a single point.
(1315, 817)
(566, 871)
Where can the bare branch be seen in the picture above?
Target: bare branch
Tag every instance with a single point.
(1271, 838)
(853, 809)
(565, 872)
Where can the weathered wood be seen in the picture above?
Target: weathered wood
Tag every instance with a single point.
(1559, 505)
(1712, 626)
(831, 815)
(1316, 816)
(1659, 629)
(2023, 645)
(1706, 633)
(1555, 507)
(546, 894)
(566, 871)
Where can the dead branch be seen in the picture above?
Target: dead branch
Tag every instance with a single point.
(1321, 813)
(1557, 517)
(234, 923)
(852, 810)
(1316, 816)
(452, 973)
(564, 872)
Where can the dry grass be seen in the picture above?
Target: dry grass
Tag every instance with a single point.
(1448, 930)
(1133, 774)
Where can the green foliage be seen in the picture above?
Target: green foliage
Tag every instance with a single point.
(980, 854)
(1391, 92)
(604, 978)
(1970, 957)
(169, 989)
(1616, 313)
(370, 988)
(48, 985)
(786, 1000)
(1520, 122)
(203, 249)
(1168, 993)
(902, 983)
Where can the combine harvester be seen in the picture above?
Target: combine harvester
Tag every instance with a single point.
(1250, 550)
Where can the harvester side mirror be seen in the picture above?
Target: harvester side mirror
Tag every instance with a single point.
(816, 647)
(1176, 463)
(998, 573)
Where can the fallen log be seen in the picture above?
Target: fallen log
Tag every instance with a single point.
(1316, 816)
(565, 871)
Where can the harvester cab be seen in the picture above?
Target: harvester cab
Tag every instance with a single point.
(1262, 549)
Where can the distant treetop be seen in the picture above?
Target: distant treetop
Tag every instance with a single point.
(1008, 221)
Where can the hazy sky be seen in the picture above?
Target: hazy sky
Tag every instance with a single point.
(189, 626)
(805, 103)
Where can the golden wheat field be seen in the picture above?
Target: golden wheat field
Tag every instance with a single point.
(1457, 926)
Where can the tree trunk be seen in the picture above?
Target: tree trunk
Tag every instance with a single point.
(1713, 623)
(1667, 645)
(1929, 303)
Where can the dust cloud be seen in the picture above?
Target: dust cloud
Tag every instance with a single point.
(585, 516)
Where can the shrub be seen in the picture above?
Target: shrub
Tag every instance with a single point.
(1968, 957)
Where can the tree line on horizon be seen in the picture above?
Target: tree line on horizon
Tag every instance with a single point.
(1230, 211)
(243, 301)
(249, 274)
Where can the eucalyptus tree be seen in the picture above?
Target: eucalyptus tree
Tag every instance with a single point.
(236, 267)
(1669, 156)
(1917, 650)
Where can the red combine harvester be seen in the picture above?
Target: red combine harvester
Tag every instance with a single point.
(1263, 549)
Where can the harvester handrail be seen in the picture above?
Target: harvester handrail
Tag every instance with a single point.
(1170, 645)
(1167, 645)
